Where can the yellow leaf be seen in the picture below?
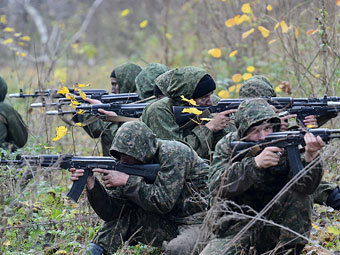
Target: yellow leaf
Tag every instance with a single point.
(192, 110)
(17, 34)
(232, 88)
(269, 7)
(143, 24)
(311, 31)
(74, 103)
(317, 75)
(61, 252)
(206, 119)
(61, 132)
(277, 25)
(8, 29)
(296, 32)
(167, 35)
(48, 147)
(7, 243)
(272, 41)
(22, 44)
(338, 2)
(233, 53)
(246, 8)
(224, 94)
(238, 86)
(230, 22)
(246, 34)
(25, 38)
(333, 230)
(315, 226)
(7, 41)
(236, 77)
(284, 26)
(237, 19)
(82, 95)
(63, 90)
(191, 101)
(60, 74)
(250, 69)
(216, 52)
(79, 124)
(241, 19)
(70, 97)
(124, 12)
(264, 31)
(278, 89)
(81, 85)
(247, 76)
(81, 112)
(3, 19)
(23, 54)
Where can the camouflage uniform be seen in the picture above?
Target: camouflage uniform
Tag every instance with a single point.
(125, 75)
(246, 189)
(13, 130)
(159, 115)
(259, 86)
(153, 212)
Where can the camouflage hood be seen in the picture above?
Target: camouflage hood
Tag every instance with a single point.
(163, 81)
(3, 89)
(126, 75)
(135, 139)
(253, 111)
(257, 86)
(145, 80)
(183, 82)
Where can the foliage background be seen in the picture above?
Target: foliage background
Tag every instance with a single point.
(46, 44)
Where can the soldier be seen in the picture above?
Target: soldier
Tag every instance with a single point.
(13, 130)
(122, 81)
(195, 83)
(149, 213)
(245, 187)
(259, 86)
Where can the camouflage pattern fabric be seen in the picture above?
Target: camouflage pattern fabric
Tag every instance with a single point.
(250, 189)
(145, 80)
(163, 81)
(159, 115)
(180, 189)
(257, 86)
(126, 75)
(13, 130)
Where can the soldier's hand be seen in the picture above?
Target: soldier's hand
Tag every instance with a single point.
(313, 145)
(270, 156)
(76, 173)
(112, 178)
(93, 101)
(220, 121)
(285, 123)
(107, 113)
(310, 122)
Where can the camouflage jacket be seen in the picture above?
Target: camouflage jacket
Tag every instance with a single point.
(159, 115)
(180, 188)
(13, 130)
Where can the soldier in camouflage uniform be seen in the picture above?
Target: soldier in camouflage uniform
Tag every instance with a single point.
(259, 86)
(13, 130)
(122, 81)
(246, 186)
(190, 82)
(149, 213)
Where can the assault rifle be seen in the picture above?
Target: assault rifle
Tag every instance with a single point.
(53, 93)
(126, 110)
(123, 98)
(289, 140)
(302, 107)
(147, 171)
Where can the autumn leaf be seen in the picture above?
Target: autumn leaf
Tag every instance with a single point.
(269, 7)
(284, 27)
(3, 19)
(247, 76)
(82, 95)
(246, 8)
(338, 2)
(167, 35)
(317, 75)
(48, 147)
(81, 85)
(232, 88)
(223, 94)
(296, 32)
(278, 89)
(272, 41)
(25, 38)
(277, 25)
(246, 34)
(215, 52)
(236, 77)
(230, 22)
(22, 44)
(238, 86)
(333, 230)
(17, 34)
(240, 19)
(311, 31)
(124, 12)
(8, 29)
(81, 112)
(63, 90)
(70, 97)
(7, 41)
(233, 53)
(143, 24)
(61, 132)
(316, 227)
(79, 124)
(264, 31)
(192, 110)
(7, 243)
(191, 101)
(61, 252)
(286, 87)
(206, 119)
(250, 69)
